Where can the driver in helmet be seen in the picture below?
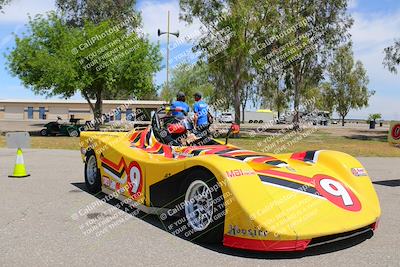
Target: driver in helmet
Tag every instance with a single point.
(179, 107)
(179, 127)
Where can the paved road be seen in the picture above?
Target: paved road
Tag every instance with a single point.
(41, 225)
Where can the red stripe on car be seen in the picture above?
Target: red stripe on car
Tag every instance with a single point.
(265, 245)
(299, 155)
(296, 177)
(113, 165)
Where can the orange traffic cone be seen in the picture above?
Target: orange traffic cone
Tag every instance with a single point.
(19, 169)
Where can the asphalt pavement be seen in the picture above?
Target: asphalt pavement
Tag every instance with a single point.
(48, 219)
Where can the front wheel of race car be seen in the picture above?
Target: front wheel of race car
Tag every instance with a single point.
(92, 174)
(204, 208)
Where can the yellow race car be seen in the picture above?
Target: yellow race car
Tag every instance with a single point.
(209, 191)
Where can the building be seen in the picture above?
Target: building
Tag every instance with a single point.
(78, 109)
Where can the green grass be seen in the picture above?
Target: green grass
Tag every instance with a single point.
(370, 146)
(59, 142)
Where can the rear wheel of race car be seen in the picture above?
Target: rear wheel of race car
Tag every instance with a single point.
(92, 174)
(204, 208)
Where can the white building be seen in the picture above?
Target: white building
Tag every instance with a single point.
(51, 109)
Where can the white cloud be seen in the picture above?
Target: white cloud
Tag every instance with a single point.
(17, 11)
(353, 4)
(372, 30)
(371, 33)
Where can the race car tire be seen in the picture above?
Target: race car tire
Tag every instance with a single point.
(204, 212)
(92, 174)
(43, 132)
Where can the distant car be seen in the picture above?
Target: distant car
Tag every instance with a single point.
(259, 116)
(226, 117)
(321, 118)
(334, 122)
(281, 120)
(56, 128)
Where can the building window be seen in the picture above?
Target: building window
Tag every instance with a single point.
(30, 113)
(106, 118)
(118, 115)
(129, 114)
(42, 113)
(144, 114)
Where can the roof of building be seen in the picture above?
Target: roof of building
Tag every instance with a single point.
(67, 101)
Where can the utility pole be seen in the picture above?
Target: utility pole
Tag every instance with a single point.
(168, 33)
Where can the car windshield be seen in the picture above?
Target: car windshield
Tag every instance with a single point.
(179, 131)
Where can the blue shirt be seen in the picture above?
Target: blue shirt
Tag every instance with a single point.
(181, 105)
(201, 109)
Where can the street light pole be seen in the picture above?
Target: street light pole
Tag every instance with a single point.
(168, 52)
(168, 33)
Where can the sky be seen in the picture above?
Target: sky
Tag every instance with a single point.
(376, 25)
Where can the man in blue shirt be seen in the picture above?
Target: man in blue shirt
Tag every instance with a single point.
(180, 108)
(200, 109)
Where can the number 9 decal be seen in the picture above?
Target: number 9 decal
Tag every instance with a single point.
(337, 193)
(135, 180)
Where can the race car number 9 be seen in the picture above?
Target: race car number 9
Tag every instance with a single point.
(337, 193)
(135, 180)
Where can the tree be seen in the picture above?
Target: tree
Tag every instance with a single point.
(119, 13)
(274, 94)
(225, 47)
(249, 92)
(3, 3)
(392, 57)
(349, 82)
(312, 100)
(188, 79)
(303, 38)
(56, 59)
(326, 99)
(374, 117)
(77, 12)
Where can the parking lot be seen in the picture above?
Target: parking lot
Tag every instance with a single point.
(45, 217)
